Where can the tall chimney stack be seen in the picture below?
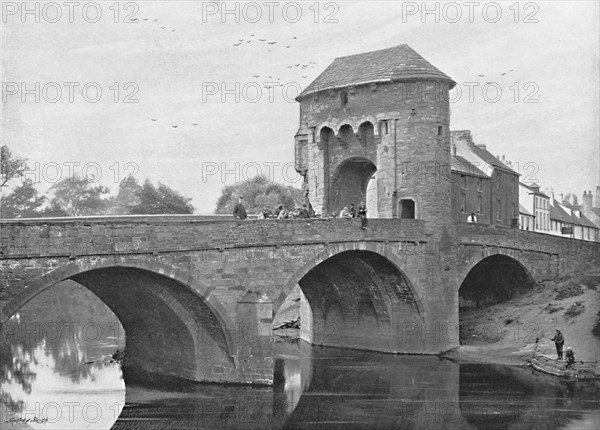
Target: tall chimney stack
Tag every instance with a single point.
(586, 204)
(597, 197)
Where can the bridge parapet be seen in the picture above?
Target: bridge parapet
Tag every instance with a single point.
(142, 235)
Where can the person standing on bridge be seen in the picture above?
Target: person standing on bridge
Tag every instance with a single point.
(362, 214)
(239, 211)
(559, 341)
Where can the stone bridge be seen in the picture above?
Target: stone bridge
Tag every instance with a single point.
(197, 297)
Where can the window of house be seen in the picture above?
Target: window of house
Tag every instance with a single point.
(407, 209)
(479, 184)
(439, 130)
(463, 206)
(514, 211)
(499, 209)
(479, 205)
(499, 180)
(463, 181)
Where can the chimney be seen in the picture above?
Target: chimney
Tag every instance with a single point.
(586, 204)
(464, 135)
(561, 198)
(453, 148)
(597, 198)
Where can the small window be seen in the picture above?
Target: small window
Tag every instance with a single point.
(499, 180)
(463, 181)
(344, 98)
(384, 127)
(407, 209)
(439, 130)
(479, 184)
(479, 205)
(499, 212)
(463, 206)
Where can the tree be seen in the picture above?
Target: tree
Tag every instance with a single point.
(259, 193)
(127, 198)
(78, 197)
(10, 167)
(23, 202)
(160, 200)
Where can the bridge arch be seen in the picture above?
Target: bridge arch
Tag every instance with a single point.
(357, 296)
(173, 324)
(493, 279)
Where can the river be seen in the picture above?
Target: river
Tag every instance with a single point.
(57, 374)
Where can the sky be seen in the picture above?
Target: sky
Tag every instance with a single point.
(183, 93)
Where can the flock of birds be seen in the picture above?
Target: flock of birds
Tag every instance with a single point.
(270, 43)
(501, 74)
(162, 27)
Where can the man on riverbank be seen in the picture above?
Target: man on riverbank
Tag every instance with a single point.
(559, 341)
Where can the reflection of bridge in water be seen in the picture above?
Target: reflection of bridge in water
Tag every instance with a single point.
(197, 298)
(346, 389)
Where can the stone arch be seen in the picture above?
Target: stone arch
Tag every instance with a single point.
(495, 278)
(352, 307)
(345, 135)
(349, 182)
(326, 136)
(366, 134)
(168, 302)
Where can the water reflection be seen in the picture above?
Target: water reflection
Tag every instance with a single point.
(64, 379)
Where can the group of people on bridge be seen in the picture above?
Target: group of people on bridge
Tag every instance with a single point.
(306, 211)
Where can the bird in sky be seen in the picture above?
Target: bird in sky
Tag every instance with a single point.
(288, 46)
(194, 123)
(263, 40)
(294, 37)
(481, 76)
(163, 28)
(237, 44)
(153, 119)
(251, 35)
(271, 43)
(145, 19)
(174, 126)
(256, 76)
(305, 77)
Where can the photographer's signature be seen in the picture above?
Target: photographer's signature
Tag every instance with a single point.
(37, 420)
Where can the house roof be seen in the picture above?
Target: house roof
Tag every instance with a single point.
(461, 165)
(398, 63)
(523, 210)
(476, 156)
(536, 191)
(559, 214)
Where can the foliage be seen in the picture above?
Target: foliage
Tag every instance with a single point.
(160, 200)
(127, 198)
(23, 202)
(10, 167)
(259, 194)
(78, 197)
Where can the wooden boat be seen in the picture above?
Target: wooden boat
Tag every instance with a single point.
(579, 371)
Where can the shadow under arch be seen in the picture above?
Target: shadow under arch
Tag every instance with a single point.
(493, 279)
(349, 182)
(357, 296)
(174, 326)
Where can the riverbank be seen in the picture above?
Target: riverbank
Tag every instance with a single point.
(512, 332)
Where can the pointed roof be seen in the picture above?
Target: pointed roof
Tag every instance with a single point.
(386, 65)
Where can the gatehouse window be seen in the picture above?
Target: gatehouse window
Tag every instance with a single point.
(407, 209)
(344, 98)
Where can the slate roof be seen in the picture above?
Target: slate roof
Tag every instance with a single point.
(523, 210)
(479, 157)
(386, 65)
(461, 165)
(559, 214)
